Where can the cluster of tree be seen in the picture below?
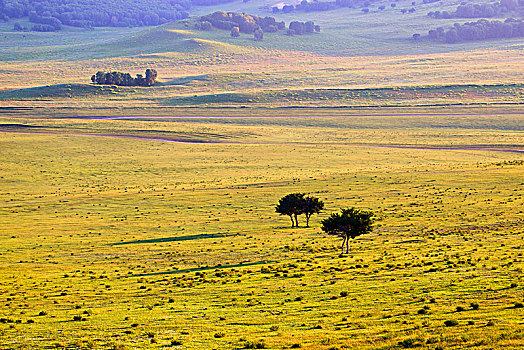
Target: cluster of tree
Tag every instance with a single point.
(481, 10)
(300, 28)
(307, 7)
(125, 79)
(245, 23)
(481, 30)
(311, 6)
(350, 223)
(94, 13)
(210, 2)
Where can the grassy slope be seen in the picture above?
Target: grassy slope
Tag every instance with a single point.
(119, 232)
(354, 50)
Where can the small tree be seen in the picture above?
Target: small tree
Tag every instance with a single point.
(292, 205)
(352, 222)
(235, 32)
(311, 205)
(258, 35)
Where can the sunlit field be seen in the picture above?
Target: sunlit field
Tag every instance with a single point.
(112, 240)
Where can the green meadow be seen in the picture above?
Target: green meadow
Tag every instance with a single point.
(112, 240)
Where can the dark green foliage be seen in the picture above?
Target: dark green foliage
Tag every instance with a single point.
(351, 223)
(295, 204)
(125, 79)
(235, 33)
(451, 323)
(460, 309)
(291, 205)
(245, 23)
(260, 344)
(480, 30)
(258, 35)
(310, 206)
(49, 14)
(408, 343)
(474, 306)
(480, 10)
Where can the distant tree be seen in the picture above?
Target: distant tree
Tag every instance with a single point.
(17, 27)
(416, 37)
(258, 35)
(351, 223)
(235, 33)
(451, 36)
(310, 206)
(309, 27)
(291, 205)
(151, 75)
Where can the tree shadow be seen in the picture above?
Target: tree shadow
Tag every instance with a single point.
(177, 239)
(205, 268)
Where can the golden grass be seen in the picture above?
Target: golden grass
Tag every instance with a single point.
(153, 242)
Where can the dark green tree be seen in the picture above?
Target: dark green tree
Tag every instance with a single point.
(258, 35)
(292, 205)
(235, 32)
(352, 222)
(310, 206)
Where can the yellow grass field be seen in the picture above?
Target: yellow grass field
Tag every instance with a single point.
(112, 240)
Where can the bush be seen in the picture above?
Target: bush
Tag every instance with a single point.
(474, 306)
(259, 344)
(451, 323)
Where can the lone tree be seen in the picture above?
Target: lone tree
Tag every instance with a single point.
(311, 205)
(352, 222)
(292, 205)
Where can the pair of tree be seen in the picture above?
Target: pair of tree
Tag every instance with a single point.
(295, 204)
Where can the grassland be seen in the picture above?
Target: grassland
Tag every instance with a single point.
(150, 244)
(356, 60)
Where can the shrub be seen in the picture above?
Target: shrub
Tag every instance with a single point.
(408, 343)
(518, 305)
(259, 344)
(175, 342)
(460, 309)
(451, 323)
(273, 328)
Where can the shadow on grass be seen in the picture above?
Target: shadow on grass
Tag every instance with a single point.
(205, 268)
(177, 239)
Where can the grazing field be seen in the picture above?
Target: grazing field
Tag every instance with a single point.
(110, 239)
